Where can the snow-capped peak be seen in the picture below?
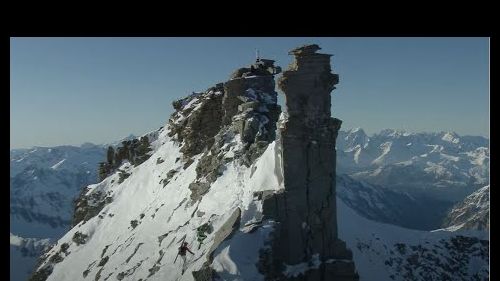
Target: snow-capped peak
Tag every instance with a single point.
(395, 133)
(450, 137)
(447, 165)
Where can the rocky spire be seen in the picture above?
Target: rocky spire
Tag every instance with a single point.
(306, 210)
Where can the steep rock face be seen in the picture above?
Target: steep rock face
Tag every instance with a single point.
(135, 151)
(250, 104)
(472, 213)
(197, 120)
(235, 120)
(306, 209)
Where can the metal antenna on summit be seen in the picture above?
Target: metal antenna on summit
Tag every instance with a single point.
(257, 55)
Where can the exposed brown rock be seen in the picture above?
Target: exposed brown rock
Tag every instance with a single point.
(201, 122)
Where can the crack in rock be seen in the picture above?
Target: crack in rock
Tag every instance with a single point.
(135, 251)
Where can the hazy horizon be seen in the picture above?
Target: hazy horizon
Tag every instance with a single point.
(69, 91)
(138, 135)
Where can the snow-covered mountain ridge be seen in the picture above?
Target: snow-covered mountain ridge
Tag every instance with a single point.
(172, 193)
(44, 181)
(43, 184)
(442, 165)
(387, 252)
(472, 213)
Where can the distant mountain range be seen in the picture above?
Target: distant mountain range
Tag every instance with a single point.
(44, 181)
(443, 165)
(24, 253)
(443, 168)
(43, 184)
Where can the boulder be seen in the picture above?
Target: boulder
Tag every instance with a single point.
(198, 189)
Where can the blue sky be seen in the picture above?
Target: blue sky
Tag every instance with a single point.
(76, 90)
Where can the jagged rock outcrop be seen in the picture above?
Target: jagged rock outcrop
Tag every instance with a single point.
(245, 107)
(197, 120)
(136, 151)
(90, 201)
(251, 108)
(306, 209)
(88, 206)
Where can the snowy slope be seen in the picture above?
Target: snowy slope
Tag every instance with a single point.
(440, 165)
(164, 216)
(472, 213)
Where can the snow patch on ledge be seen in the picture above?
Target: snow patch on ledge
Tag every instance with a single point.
(300, 268)
(58, 164)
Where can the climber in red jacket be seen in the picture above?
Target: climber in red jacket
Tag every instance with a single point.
(182, 253)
